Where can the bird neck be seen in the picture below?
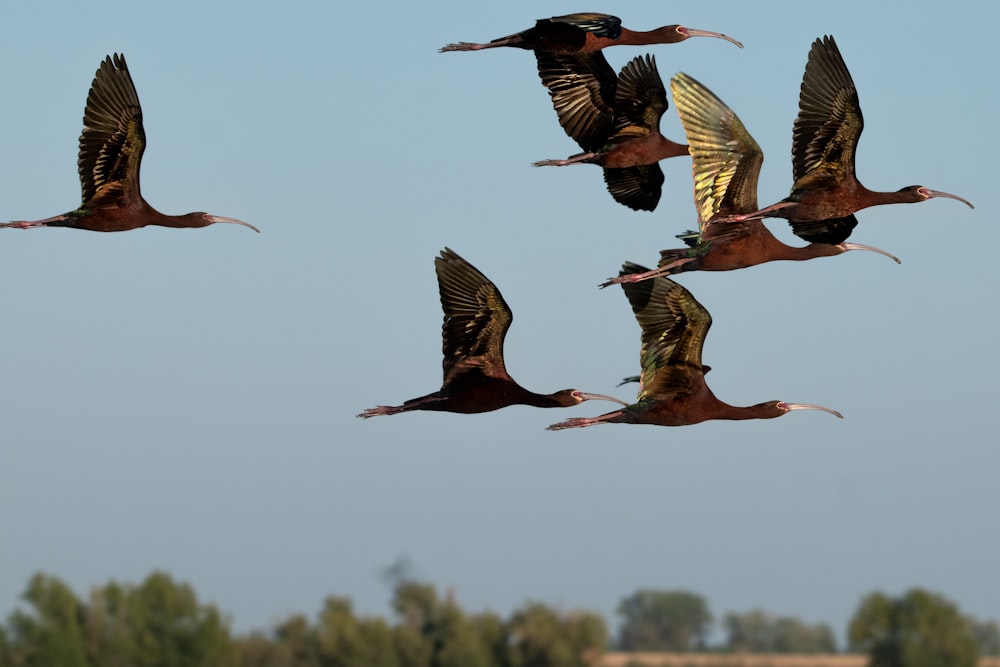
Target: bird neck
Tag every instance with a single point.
(559, 399)
(665, 148)
(188, 220)
(664, 35)
(811, 251)
(759, 411)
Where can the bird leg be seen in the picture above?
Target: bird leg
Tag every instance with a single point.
(573, 159)
(381, 410)
(765, 212)
(510, 40)
(580, 422)
(28, 224)
(664, 270)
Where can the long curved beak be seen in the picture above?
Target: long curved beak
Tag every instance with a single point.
(692, 32)
(927, 192)
(808, 406)
(871, 248)
(584, 396)
(221, 218)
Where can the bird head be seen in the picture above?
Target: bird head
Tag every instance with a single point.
(918, 193)
(678, 33)
(779, 408)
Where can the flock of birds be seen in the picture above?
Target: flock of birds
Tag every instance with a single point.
(615, 120)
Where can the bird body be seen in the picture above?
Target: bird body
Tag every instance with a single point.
(615, 119)
(672, 389)
(826, 192)
(725, 162)
(476, 320)
(111, 148)
(586, 32)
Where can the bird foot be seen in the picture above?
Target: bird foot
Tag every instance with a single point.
(379, 410)
(664, 270)
(23, 224)
(573, 159)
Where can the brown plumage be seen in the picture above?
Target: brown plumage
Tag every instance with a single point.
(726, 162)
(476, 319)
(586, 32)
(825, 135)
(672, 390)
(111, 147)
(615, 119)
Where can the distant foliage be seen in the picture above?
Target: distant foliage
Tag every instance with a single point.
(664, 621)
(918, 629)
(757, 631)
(987, 636)
(161, 623)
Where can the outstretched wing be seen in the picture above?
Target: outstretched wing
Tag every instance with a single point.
(674, 326)
(582, 87)
(112, 140)
(640, 99)
(637, 187)
(725, 158)
(476, 319)
(826, 131)
(602, 25)
(831, 230)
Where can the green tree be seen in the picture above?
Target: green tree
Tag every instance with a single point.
(987, 636)
(756, 631)
(4, 649)
(51, 632)
(664, 621)
(347, 641)
(450, 638)
(919, 629)
(158, 623)
(540, 637)
(296, 643)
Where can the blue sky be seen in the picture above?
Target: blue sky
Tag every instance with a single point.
(185, 399)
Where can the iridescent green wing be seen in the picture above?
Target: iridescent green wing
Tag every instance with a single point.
(725, 158)
(674, 326)
(476, 319)
(582, 88)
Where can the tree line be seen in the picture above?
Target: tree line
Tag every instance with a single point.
(160, 622)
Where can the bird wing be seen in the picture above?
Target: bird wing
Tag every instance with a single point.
(826, 132)
(640, 99)
(602, 25)
(476, 319)
(674, 326)
(832, 230)
(725, 158)
(112, 140)
(637, 187)
(582, 87)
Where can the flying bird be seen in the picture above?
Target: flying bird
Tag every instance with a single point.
(726, 162)
(586, 33)
(827, 193)
(615, 119)
(111, 147)
(672, 389)
(476, 319)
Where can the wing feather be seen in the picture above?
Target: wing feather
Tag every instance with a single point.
(476, 319)
(674, 326)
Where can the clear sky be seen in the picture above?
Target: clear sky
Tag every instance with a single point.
(186, 399)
